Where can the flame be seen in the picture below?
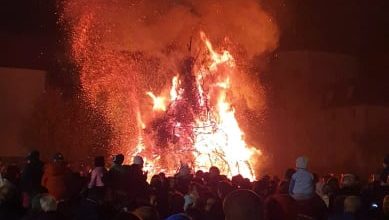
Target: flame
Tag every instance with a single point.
(158, 102)
(173, 90)
(217, 138)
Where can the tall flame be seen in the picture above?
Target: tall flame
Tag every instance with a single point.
(217, 138)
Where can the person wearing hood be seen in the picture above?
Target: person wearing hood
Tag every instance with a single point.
(301, 183)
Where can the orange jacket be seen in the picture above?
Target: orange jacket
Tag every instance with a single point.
(56, 179)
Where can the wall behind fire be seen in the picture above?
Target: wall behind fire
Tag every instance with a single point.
(19, 90)
(311, 112)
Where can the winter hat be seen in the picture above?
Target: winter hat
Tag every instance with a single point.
(138, 160)
(302, 162)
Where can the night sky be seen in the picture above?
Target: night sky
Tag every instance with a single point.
(29, 34)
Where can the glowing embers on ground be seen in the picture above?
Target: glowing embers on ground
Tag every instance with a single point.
(198, 120)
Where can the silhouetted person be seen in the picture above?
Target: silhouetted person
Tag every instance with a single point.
(10, 202)
(243, 204)
(31, 176)
(96, 182)
(351, 210)
(135, 181)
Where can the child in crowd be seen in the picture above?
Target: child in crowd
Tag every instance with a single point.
(301, 184)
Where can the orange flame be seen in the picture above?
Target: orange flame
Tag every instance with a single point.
(218, 139)
(158, 102)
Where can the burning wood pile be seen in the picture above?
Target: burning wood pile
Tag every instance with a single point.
(127, 54)
(197, 125)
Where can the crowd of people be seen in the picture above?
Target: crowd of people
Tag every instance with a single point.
(53, 191)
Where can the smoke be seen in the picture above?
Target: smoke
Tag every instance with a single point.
(152, 26)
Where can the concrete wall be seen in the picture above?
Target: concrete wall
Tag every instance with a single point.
(19, 89)
(335, 138)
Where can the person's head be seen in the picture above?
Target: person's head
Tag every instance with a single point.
(156, 182)
(162, 176)
(243, 204)
(352, 204)
(237, 180)
(348, 180)
(146, 213)
(118, 159)
(214, 172)
(302, 162)
(138, 160)
(58, 157)
(48, 203)
(199, 174)
(33, 156)
(261, 187)
(99, 161)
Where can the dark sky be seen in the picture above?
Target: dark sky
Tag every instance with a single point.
(29, 34)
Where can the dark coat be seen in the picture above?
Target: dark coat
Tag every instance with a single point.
(31, 177)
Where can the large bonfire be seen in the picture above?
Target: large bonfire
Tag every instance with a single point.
(174, 105)
(196, 125)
